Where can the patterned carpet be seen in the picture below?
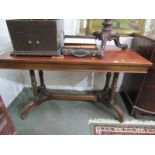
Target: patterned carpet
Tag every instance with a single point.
(61, 117)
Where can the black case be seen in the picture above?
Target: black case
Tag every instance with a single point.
(36, 37)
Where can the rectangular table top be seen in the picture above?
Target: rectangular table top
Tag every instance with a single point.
(114, 61)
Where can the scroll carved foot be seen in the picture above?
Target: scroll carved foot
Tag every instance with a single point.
(115, 37)
(34, 102)
(119, 111)
(27, 108)
(104, 98)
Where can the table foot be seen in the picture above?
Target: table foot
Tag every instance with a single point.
(34, 102)
(27, 108)
(119, 111)
(104, 98)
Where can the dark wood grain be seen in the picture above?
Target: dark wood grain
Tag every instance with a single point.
(138, 89)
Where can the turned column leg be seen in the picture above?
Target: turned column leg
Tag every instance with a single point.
(106, 87)
(41, 76)
(34, 84)
(104, 94)
(42, 88)
(116, 107)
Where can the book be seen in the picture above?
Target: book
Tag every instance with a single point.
(80, 42)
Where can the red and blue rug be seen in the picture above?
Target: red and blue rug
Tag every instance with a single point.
(112, 127)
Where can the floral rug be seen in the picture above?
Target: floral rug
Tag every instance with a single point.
(113, 127)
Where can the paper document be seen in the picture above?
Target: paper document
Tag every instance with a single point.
(91, 41)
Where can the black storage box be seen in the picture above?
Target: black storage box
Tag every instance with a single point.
(36, 37)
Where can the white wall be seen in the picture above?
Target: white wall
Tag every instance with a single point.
(71, 26)
(13, 81)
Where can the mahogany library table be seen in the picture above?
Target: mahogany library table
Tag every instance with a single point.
(126, 61)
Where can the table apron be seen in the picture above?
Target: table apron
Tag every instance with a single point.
(75, 67)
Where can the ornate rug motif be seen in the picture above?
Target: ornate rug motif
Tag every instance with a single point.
(126, 128)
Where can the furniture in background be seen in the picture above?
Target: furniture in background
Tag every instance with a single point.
(126, 61)
(6, 125)
(138, 90)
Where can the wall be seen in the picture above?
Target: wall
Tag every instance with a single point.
(13, 81)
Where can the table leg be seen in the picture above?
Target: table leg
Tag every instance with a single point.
(40, 93)
(33, 101)
(42, 88)
(108, 76)
(41, 76)
(115, 106)
(104, 95)
(107, 95)
(34, 84)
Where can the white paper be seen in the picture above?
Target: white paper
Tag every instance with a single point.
(80, 41)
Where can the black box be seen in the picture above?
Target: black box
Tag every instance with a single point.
(36, 37)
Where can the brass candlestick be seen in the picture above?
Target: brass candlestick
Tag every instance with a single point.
(106, 35)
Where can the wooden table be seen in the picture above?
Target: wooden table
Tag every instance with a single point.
(126, 61)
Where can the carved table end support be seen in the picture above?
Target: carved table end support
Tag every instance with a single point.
(107, 96)
(116, 107)
(40, 93)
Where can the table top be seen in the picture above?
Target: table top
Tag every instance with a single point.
(115, 61)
